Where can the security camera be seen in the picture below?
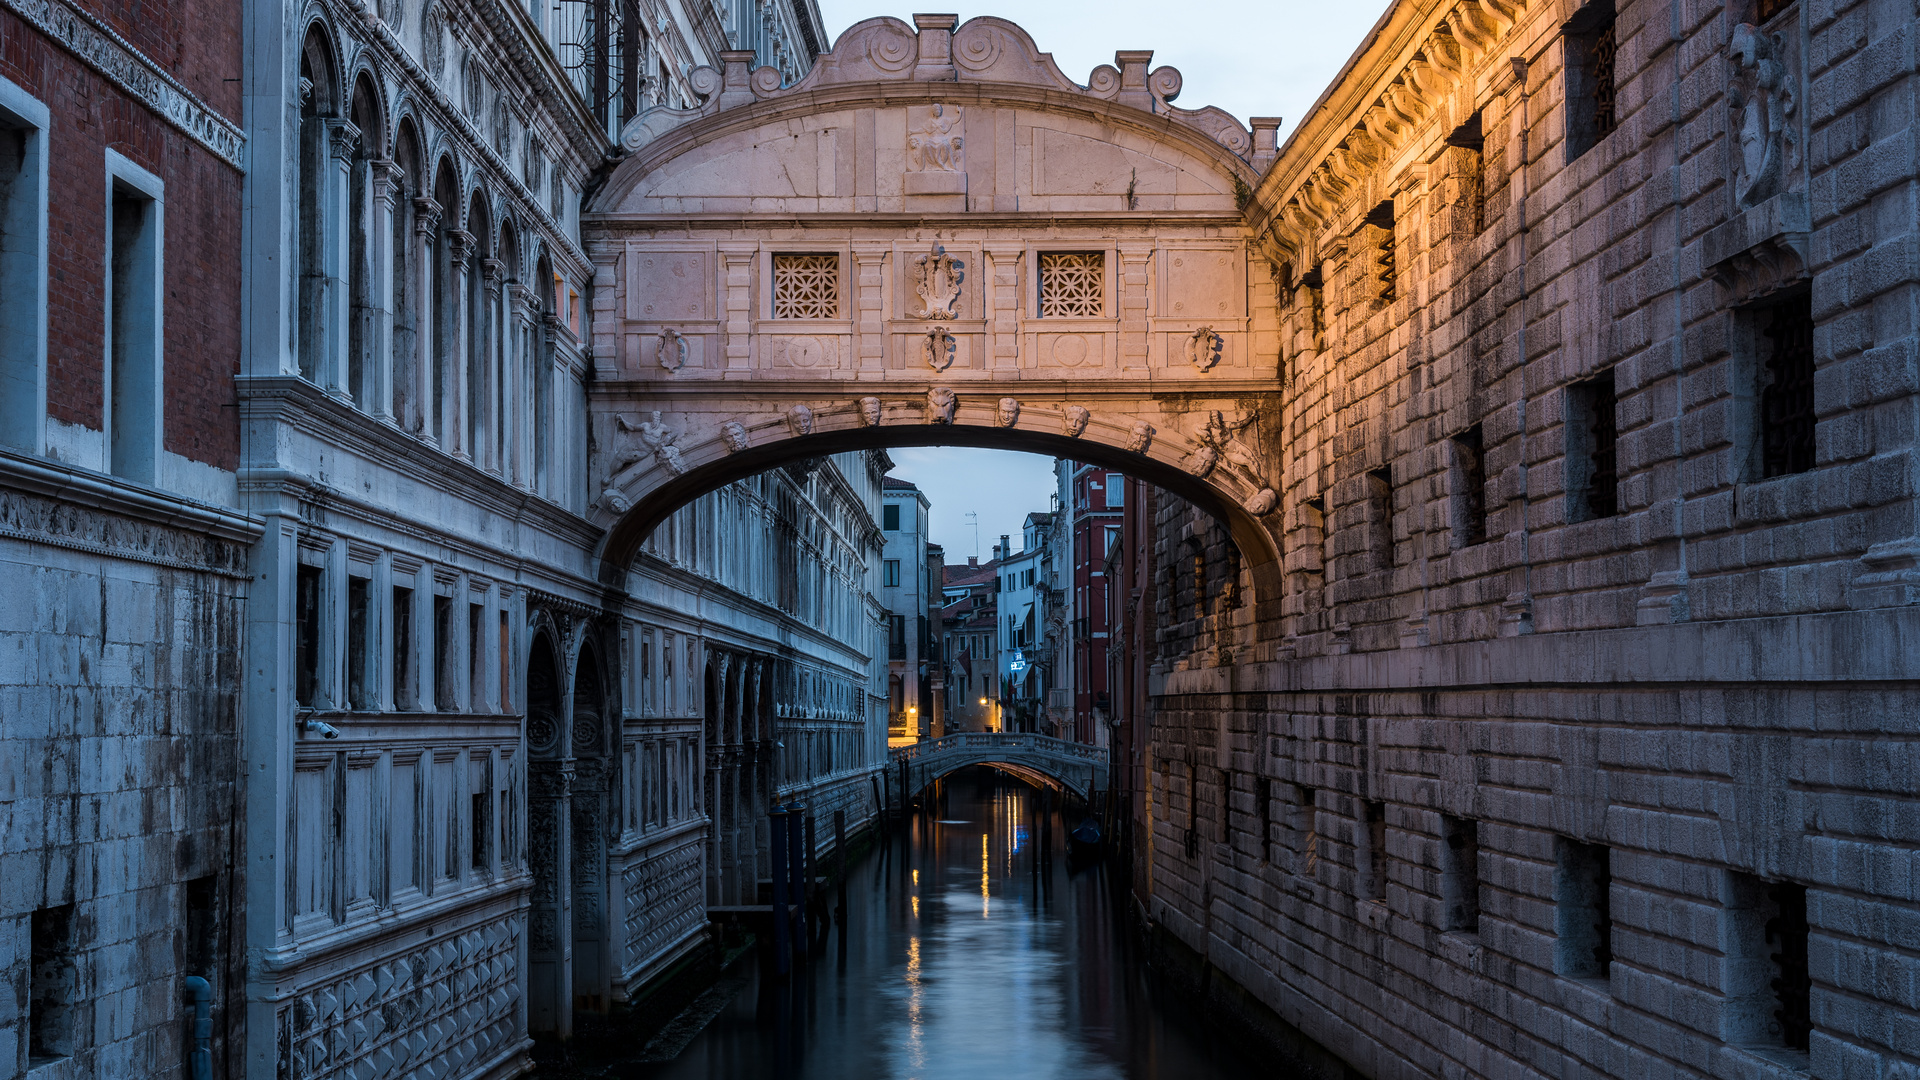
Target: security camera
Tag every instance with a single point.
(319, 727)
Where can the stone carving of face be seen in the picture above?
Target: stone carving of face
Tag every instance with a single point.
(1009, 413)
(800, 420)
(1076, 421)
(870, 412)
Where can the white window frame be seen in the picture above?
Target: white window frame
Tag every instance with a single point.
(23, 311)
(143, 461)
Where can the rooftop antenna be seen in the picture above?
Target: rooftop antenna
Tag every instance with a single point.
(974, 518)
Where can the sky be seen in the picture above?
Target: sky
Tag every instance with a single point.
(1252, 59)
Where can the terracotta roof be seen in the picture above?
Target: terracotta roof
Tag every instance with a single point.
(961, 574)
(894, 483)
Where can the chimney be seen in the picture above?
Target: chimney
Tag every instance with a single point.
(973, 562)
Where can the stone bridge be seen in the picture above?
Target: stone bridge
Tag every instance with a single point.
(1038, 759)
(935, 237)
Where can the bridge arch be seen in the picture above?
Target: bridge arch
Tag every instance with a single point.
(991, 255)
(1039, 759)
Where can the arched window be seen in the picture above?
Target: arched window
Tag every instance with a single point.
(444, 281)
(363, 310)
(406, 284)
(481, 287)
(511, 384)
(541, 357)
(310, 296)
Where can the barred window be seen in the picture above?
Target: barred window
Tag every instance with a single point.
(1786, 401)
(1590, 53)
(1072, 283)
(806, 286)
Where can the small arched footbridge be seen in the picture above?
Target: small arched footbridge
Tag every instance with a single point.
(1038, 759)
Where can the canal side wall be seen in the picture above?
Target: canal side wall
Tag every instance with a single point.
(1595, 621)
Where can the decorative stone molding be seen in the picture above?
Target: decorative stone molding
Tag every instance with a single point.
(1760, 251)
(1892, 578)
(103, 50)
(343, 140)
(941, 403)
(659, 441)
(984, 49)
(937, 277)
(1009, 412)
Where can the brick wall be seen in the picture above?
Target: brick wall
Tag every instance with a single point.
(202, 229)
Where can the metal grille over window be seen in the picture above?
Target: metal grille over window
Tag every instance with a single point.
(1786, 405)
(806, 286)
(1604, 118)
(1071, 284)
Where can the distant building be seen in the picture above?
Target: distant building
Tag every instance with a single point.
(970, 645)
(1025, 653)
(905, 595)
(1094, 501)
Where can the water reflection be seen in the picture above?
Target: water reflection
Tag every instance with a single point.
(966, 952)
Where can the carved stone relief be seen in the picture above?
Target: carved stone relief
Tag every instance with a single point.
(1220, 444)
(1009, 412)
(1203, 348)
(937, 277)
(1760, 95)
(1074, 423)
(671, 349)
(937, 348)
(734, 434)
(869, 412)
(936, 142)
(941, 403)
(800, 420)
(658, 440)
(1141, 438)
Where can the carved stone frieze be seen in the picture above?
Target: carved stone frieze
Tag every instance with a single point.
(936, 142)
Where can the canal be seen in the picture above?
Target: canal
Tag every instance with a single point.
(964, 954)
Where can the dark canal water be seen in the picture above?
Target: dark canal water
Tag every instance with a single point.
(963, 955)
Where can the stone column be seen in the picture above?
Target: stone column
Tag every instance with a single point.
(343, 143)
(1002, 292)
(869, 301)
(740, 303)
(387, 180)
(454, 416)
(493, 370)
(426, 336)
(1130, 296)
(520, 393)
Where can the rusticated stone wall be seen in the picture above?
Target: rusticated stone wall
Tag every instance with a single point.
(1538, 775)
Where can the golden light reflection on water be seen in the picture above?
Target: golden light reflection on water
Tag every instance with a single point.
(916, 1050)
(986, 899)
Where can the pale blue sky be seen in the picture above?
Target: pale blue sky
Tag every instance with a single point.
(1251, 59)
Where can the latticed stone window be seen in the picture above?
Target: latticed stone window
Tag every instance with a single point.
(806, 286)
(1072, 283)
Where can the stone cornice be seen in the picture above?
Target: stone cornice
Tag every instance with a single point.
(1416, 57)
(713, 121)
(1144, 221)
(297, 403)
(105, 51)
(105, 515)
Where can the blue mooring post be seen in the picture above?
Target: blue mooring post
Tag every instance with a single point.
(797, 868)
(200, 1058)
(777, 821)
